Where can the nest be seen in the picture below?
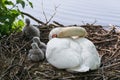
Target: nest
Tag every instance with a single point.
(14, 64)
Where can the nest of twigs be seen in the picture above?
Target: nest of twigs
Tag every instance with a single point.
(14, 64)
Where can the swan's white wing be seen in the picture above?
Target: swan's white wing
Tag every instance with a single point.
(89, 53)
(64, 59)
(60, 55)
(56, 43)
(87, 46)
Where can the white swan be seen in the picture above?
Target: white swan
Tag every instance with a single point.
(35, 54)
(41, 45)
(74, 55)
(30, 31)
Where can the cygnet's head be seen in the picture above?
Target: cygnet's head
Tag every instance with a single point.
(36, 39)
(27, 21)
(54, 32)
(34, 45)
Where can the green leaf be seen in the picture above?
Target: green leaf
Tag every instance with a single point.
(8, 3)
(21, 2)
(20, 13)
(30, 3)
(14, 11)
(8, 15)
(3, 1)
(18, 24)
(21, 23)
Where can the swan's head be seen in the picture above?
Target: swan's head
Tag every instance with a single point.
(65, 32)
(36, 39)
(34, 45)
(54, 32)
(27, 21)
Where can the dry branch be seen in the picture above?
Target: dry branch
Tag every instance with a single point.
(24, 13)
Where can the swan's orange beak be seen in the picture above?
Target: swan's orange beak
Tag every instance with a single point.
(54, 35)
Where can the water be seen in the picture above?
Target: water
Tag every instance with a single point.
(77, 11)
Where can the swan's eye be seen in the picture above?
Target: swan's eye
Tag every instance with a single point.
(54, 35)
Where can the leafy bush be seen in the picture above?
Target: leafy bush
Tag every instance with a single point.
(17, 25)
(9, 12)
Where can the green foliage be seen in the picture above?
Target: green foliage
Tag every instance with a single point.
(17, 25)
(9, 12)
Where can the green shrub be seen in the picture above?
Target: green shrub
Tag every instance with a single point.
(9, 12)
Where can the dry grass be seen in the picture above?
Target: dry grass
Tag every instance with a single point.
(15, 66)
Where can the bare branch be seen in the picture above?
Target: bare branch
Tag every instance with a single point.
(44, 11)
(53, 14)
(94, 22)
(33, 18)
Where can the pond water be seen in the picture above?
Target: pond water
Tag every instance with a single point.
(77, 11)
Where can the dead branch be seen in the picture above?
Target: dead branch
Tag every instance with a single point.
(114, 52)
(111, 65)
(44, 12)
(9, 69)
(24, 13)
(41, 73)
(23, 47)
(53, 14)
(61, 25)
(103, 41)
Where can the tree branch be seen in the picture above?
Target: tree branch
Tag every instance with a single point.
(24, 13)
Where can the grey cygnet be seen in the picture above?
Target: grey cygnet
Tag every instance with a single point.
(41, 45)
(30, 31)
(35, 54)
